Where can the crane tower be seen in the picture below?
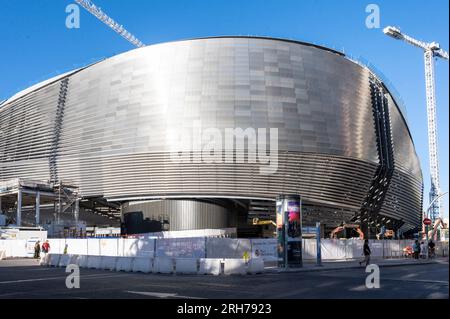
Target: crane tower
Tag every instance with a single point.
(431, 50)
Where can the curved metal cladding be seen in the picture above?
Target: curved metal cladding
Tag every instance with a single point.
(182, 214)
(106, 127)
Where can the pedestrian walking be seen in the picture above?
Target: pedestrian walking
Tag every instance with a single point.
(37, 249)
(416, 249)
(46, 247)
(423, 250)
(366, 252)
(431, 251)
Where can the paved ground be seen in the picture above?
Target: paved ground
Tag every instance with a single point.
(22, 278)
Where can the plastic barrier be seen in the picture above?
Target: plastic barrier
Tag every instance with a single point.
(73, 259)
(124, 263)
(143, 264)
(186, 265)
(210, 266)
(108, 262)
(163, 265)
(234, 266)
(82, 261)
(45, 260)
(64, 260)
(255, 266)
(94, 262)
(54, 260)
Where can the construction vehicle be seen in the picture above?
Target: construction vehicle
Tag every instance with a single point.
(338, 229)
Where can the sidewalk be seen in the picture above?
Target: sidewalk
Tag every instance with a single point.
(309, 266)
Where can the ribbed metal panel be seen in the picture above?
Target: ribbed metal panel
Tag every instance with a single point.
(113, 136)
(182, 214)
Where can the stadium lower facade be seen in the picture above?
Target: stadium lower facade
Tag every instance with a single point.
(343, 142)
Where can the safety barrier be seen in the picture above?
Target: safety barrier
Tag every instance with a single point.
(124, 263)
(234, 266)
(163, 265)
(210, 266)
(94, 262)
(186, 265)
(108, 262)
(255, 266)
(2, 254)
(143, 264)
(64, 260)
(54, 260)
(82, 261)
(73, 259)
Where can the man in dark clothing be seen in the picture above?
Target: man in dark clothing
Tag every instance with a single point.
(37, 249)
(367, 252)
(431, 249)
(416, 249)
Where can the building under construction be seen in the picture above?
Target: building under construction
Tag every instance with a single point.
(343, 142)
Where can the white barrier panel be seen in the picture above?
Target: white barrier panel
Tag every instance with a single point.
(93, 246)
(227, 247)
(143, 264)
(14, 247)
(180, 247)
(64, 260)
(186, 265)
(255, 266)
(124, 263)
(94, 262)
(82, 261)
(108, 247)
(264, 248)
(234, 266)
(163, 265)
(54, 260)
(77, 246)
(108, 262)
(210, 266)
(333, 249)
(73, 259)
(45, 260)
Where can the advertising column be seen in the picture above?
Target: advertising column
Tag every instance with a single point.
(289, 231)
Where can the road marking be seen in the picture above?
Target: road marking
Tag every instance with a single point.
(93, 276)
(160, 294)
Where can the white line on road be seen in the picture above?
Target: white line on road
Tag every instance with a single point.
(160, 294)
(94, 276)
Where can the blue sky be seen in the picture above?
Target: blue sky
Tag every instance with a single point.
(35, 44)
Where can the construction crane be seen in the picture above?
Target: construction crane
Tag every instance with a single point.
(99, 14)
(431, 50)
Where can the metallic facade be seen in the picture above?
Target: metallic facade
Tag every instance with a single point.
(105, 127)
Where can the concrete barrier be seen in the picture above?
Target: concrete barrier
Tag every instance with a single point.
(124, 263)
(143, 264)
(45, 260)
(73, 259)
(163, 265)
(64, 260)
(94, 262)
(210, 266)
(108, 262)
(234, 266)
(186, 265)
(255, 266)
(82, 261)
(54, 260)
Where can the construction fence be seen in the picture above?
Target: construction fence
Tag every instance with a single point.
(206, 247)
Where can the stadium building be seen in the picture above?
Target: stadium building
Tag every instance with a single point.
(343, 140)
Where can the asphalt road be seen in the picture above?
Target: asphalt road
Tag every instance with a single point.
(25, 279)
